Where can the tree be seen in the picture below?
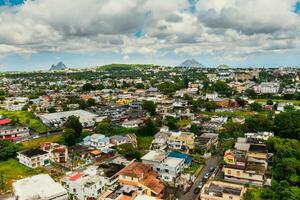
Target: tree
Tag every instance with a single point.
(90, 102)
(149, 106)
(74, 123)
(289, 108)
(148, 129)
(172, 123)
(139, 86)
(222, 88)
(8, 149)
(255, 107)
(88, 87)
(287, 124)
(269, 102)
(51, 110)
(210, 106)
(251, 93)
(104, 127)
(195, 129)
(99, 87)
(69, 137)
(258, 123)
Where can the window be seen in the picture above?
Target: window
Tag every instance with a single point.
(230, 197)
(228, 171)
(238, 173)
(166, 170)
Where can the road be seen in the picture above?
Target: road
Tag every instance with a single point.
(212, 162)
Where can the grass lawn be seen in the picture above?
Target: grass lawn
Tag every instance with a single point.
(238, 113)
(194, 168)
(37, 142)
(26, 118)
(183, 122)
(13, 170)
(295, 102)
(144, 142)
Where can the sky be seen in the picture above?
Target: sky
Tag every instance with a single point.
(34, 34)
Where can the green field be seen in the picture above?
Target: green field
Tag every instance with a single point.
(12, 170)
(295, 102)
(144, 142)
(37, 142)
(26, 118)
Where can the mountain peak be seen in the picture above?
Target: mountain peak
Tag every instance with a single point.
(59, 66)
(191, 63)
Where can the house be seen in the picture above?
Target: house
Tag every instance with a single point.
(15, 103)
(181, 141)
(118, 140)
(220, 190)
(207, 140)
(141, 176)
(57, 153)
(14, 133)
(80, 150)
(131, 139)
(259, 136)
(41, 186)
(168, 167)
(93, 181)
(267, 88)
(247, 165)
(4, 120)
(160, 141)
(132, 123)
(34, 158)
(97, 140)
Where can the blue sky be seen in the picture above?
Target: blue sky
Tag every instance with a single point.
(36, 34)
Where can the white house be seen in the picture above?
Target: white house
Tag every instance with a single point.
(168, 167)
(34, 158)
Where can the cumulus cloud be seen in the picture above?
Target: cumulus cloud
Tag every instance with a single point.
(230, 29)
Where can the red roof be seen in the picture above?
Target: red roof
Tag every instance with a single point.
(5, 121)
(75, 176)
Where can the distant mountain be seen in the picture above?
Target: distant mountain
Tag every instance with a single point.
(191, 63)
(58, 66)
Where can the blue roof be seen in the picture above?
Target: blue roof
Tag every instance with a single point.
(175, 154)
(87, 138)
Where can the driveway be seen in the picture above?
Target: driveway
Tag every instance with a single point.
(211, 162)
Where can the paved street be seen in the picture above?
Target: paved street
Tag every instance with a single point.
(212, 162)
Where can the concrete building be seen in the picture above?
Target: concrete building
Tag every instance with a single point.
(219, 190)
(41, 186)
(14, 133)
(141, 175)
(181, 141)
(168, 167)
(57, 120)
(34, 158)
(86, 184)
(57, 153)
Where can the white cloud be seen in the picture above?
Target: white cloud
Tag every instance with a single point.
(231, 29)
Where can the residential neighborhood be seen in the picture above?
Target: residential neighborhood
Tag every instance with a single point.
(124, 138)
(149, 100)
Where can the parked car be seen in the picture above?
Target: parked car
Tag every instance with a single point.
(198, 188)
(212, 169)
(206, 176)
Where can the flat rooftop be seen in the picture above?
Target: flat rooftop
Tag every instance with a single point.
(155, 156)
(82, 114)
(41, 186)
(171, 161)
